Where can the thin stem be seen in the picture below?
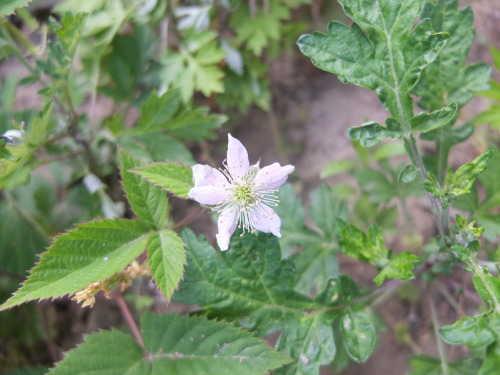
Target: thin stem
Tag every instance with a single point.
(441, 348)
(187, 219)
(54, 351)
(129, 319)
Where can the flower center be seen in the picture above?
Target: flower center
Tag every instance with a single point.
(244, 195)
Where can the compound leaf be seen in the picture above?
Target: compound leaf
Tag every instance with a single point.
(399, 267)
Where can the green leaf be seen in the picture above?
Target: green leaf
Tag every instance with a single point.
(21, 238)
(389, 58)
(365, 247)
(336, 167)
(338, 291)
(471, 331)
(195, 124)
(426, 122)
(376, 185)
(249, 283)
(408, 174)
(399, 267)
(157, 111)
(174, 345)
(490, 116)
(491, 362)
(358, 334)
(175, 178)
(92, 252)
(370, 133)
(325, 209)
(448, 80)
(149, 202)
(39, 127)
(8, 6)
(488, 288)
(460, 181)
(425, 365)
(167, 258)
(311, 343)
(38, 370)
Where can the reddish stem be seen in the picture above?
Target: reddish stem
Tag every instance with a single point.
(187, 219)
(129, 319)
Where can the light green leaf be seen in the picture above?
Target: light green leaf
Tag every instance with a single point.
(488, 288)
(426, 122)
(38, 129)
(460, 181)
(358, 334)
(399, 267)
(92, 252)
(148, 201)
(336, 167)
(249, 283)
(156, 112)
(471, 331)
(167, 258)
(325, 209)
(388, 58)
(174, 345)
(365, 247)
(311, 343)
(408, 174)
(491, 362)
(490, 116)
(175, 178)
(8, 6)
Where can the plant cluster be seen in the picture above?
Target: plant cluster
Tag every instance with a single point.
(274, 276)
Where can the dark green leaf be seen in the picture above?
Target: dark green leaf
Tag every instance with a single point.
(358, 334)
(148, 201)
(425, 365)
(249, 282)
(388, 58)
(325, 209)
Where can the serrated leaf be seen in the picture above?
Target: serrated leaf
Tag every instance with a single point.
(400, 267)
(471, 331)
(92, 252)
(249, 283)
(448, 80)
(8, 6)
(388, 58)
(175, 178)
(426, 122)
(358, 334)
(167, 258)
(325, 209)
(174, 345)
(488, 288)
(157, 111)
(311, 343)
(337, 291)
(195, 124)
(148, 201)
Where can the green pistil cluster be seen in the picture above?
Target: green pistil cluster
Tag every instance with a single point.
(244, 195)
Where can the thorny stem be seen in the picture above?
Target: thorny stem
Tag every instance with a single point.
(441, 349)
(129, 319)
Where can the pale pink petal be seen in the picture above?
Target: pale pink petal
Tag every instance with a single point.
(263, 218)
(209, 194)
(237, 157)
(272, 176)
(204, 175)
(227, 223)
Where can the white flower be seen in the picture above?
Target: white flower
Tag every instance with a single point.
(241, 193)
